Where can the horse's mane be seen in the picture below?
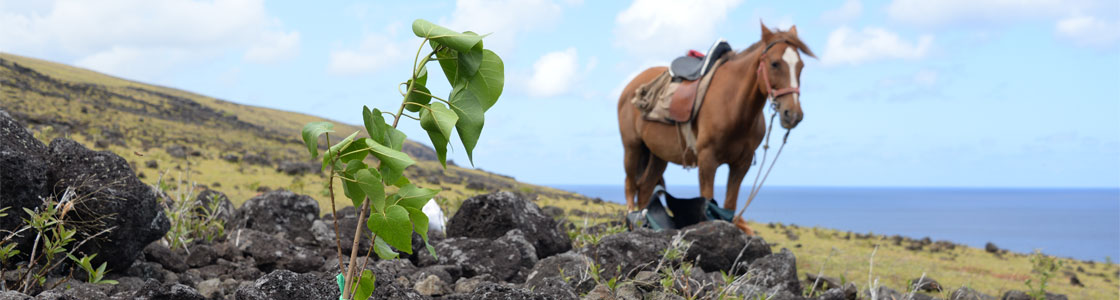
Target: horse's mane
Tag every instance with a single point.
(789, 38)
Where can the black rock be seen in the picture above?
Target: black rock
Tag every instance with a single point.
(991, 248)
(1074, 281)
(572, 265)
(108, 192)
(149, 270)
(13, 295)
(925, 284)
(297, 167)
(271, 253)
(1019, 295)
(965, 293)
(553, 288)
(284, 284)
(632, 251)
(224, 209)
(552, 211)
(75, 289)
(23, 175)
(170, 260)
(492, 215)
(280, 212)
(175, 292)
(323, 230)
(152, 164)
(477, 256)
(775, 270)
(177, 151)
(497, 291)
(716, 245)
(201, 255)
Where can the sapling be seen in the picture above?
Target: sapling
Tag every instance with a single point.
(476, 76)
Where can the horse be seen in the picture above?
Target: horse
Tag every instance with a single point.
(729, 125)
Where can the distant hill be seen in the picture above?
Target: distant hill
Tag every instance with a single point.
(237, 149)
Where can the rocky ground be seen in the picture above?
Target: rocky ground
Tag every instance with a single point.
(276, 246)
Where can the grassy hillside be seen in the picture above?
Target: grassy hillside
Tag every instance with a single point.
(237, 149)
(189, 135)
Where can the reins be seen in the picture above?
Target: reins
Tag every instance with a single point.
(772, 95)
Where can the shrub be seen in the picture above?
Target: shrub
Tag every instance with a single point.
(476, 76)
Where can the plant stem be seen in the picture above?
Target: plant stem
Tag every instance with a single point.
(334, 211)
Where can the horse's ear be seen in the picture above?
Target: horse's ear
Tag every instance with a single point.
(793, 30)
(766, 34)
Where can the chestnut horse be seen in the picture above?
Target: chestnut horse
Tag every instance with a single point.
(729, 126)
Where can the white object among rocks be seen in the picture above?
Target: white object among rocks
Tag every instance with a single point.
(435, 215)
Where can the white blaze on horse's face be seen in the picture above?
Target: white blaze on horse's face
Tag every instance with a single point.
(791, 58)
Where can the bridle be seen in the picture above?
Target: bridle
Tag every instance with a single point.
(773, 93)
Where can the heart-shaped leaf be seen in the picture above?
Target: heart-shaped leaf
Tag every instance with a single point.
(311, 133)
(369, 180)
(439, 121)
(466, 105)
(394, 226)
(461, 42)
(412, 196)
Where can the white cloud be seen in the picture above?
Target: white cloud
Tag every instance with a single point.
(1089, 31)
(274, 46)
(847, 46)
(374, 53)
(664, 27)
(554, 73)
(848, 12)
(946, 12)
(139, 34)
(504, 19)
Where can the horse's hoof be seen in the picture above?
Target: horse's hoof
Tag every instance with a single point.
(742, 225)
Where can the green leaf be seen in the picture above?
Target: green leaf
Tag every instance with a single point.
(439, 121)
(461, 42)
(311, 133)
(374, 122)
(420, 225)
(383, 250)
(395, 138)
(419, 94)
(401, 181)
(415, 197)
(369, 180)
(393, 226)
(393, 162)
(422, 78)
(350, 187)
(469, 61)
(488, 83)
(365, 285)
(471, 118)
(448, 61)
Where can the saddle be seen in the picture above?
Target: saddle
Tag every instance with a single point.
(675, 96)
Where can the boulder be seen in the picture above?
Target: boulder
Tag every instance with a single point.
(1020, 295)
(965, 293)
(778, 270)
(925, 284)
(489, 290)
(284, 284)
(477, 256)
(14, 295)
(572, 265)
(323, 231)
(23, 174)
(431, 285)
(224, 209)
(107, 191)
(287, 214)
(201, 255)
(632, 251)
(553, 288)
(716, 245)
(492, 215)
(170, 260)
(270, 252)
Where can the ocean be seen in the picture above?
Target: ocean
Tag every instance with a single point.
(1078, 223)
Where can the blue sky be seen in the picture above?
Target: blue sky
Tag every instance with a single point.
(955, 93)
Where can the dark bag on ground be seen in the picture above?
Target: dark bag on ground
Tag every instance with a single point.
(676, 213)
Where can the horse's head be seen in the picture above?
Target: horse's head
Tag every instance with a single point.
(779, 69)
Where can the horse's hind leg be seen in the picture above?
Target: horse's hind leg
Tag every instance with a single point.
(650, 178)
(632, 161)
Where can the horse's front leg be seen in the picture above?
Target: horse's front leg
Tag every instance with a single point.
(737, 171)
(708, 164)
